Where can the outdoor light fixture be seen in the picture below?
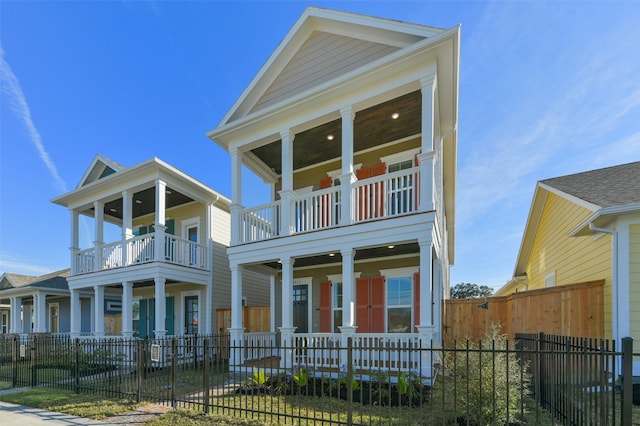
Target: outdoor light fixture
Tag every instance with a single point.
(331, 254)
(138, 201)
(395, 115)
(112, 210)
(390, 247)
(330, 137)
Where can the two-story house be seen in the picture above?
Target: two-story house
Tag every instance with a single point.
(352, 123)
(166, 271)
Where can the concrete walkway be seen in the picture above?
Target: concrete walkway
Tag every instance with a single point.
(22, 415)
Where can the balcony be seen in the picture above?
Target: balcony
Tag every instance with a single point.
(139, 250)
(381, 197)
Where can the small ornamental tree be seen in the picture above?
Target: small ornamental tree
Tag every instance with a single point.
(486, 383)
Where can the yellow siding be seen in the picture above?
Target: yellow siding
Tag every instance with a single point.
(573, 259)
(634, 284)
(178, 214)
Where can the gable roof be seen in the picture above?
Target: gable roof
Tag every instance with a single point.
(100, 167)
(54, 280)
(607, 191)
(607, 187)
(323, 45)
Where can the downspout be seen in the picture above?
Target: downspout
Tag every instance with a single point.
(614, 278)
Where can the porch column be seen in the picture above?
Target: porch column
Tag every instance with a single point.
(287, 330)
(159, 225)
(236, 332)
(40, 313)
(286, 194)
(75, 245)
(272, 304)
(16, 310)
(99, 230)
(127, 309)
(161, 307)
(426, 158)
(98, 311)
(75, 313)
(236, 195)
(348, 291)
(348, 177)
(127, 224)
(426, 284)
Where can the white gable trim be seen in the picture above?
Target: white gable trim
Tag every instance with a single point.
(99, 159)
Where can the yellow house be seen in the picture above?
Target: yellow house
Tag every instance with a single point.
(586, 227)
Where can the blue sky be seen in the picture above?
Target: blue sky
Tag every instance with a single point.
(546, 89)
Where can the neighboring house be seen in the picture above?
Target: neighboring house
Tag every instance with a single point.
(352, 122)
(36, 304)
(586, 227)
(171, 237)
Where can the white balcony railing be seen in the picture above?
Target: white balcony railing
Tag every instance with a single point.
(379, 197)
(141, 249)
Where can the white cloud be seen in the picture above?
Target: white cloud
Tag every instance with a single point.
(18, 104)
(10, 265)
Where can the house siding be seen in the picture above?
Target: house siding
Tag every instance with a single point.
(322, 57)
(573, 259)
(634, 284)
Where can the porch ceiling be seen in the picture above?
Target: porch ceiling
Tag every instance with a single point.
(372, 127)
(144, 203)
(361, 254)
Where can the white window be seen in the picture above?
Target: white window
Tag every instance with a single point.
(399, 299)
(550, 280)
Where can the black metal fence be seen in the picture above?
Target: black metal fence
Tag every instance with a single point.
(538, 380)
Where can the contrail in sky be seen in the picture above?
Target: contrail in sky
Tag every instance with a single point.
(17, 101)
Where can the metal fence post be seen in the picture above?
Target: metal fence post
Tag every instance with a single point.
(140, 367)
(76, 370)
(350, 381)
(34, 373)
(174, 368)
(16, 355)
(206, 375)
(627, 380)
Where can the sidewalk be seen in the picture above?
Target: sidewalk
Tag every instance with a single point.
(22, 415)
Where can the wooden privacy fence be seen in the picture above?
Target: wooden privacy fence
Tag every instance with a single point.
(255, 319)
(568, 310)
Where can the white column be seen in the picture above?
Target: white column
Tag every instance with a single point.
(236, 195)
(75, 313)
(236, 332)
(287, 330)
(159, 225)
(40, 313)
(99, 230)
(98, 311)
(127, 309)
(272, 303)
(426, 159)
(348, 177)
(287, 292)
(161, 307)
(127, 224)
(75, 244)
(348, 290)
(286, 194)
(16, 309)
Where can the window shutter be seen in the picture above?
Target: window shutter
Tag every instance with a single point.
(416, 299)
(362, 305)
(377, 305)
(325, 307)
(152, 317)
(378, 195)
(143, 318)
(379, 169)
(143, 230)
(169, 318)
(363, 194)
(171, 226)
(325, 183)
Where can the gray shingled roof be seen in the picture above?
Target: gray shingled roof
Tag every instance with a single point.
(54, 280)
(608, 187)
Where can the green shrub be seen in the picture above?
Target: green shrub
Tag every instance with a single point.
(485, 383)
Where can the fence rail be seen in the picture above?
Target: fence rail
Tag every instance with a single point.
(541, 379)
